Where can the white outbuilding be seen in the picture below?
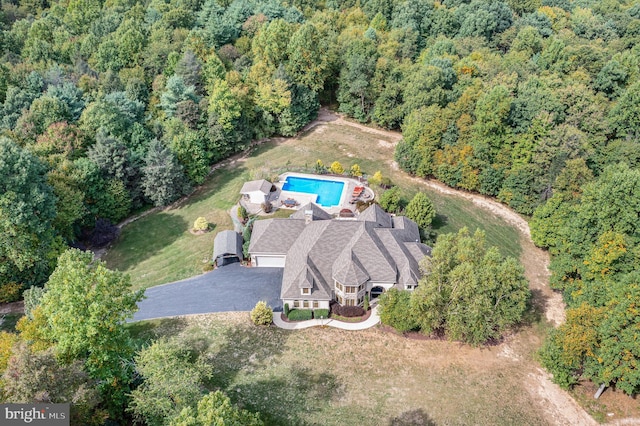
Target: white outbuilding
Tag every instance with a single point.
(256, 191)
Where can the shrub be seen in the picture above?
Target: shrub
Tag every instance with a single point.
(376, 179)
(347, 311)
(355, 171)
(420, 209)
(286, 310)
(320, 168)
(300, 314)
(324, 313)
(394, 307)
(336, 168)
(390, 200)
(262, 314)
(267, 206)
(10, 292)
(207, 266)
(365, 304)
(243, 214)
(201, 224)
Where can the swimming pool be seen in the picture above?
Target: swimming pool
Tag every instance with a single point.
(328, 191)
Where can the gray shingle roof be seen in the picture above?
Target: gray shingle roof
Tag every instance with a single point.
(256, 185)
(317, 213)
(351, 252)
(227, 243)
(274, 235)
(375, 214)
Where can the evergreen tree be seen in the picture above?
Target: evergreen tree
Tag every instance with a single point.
(163, 177)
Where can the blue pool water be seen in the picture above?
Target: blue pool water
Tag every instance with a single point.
(329, 191)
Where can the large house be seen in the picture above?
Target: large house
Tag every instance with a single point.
(327, 259)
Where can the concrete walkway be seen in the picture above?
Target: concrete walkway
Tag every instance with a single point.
(237, 225)
(373, 319)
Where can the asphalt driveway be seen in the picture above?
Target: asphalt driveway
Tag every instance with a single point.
(229, 288)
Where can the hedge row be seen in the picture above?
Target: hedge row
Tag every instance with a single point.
(300, 314)
(324, 313)
(347, 311)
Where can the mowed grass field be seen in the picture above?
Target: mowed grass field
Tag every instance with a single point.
(159, 248)
(374, 377)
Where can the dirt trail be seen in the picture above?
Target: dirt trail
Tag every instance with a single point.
(560, 407)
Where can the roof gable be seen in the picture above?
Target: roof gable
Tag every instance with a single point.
(348, 270)
(375, 214)
(261, 185)
(317, 213)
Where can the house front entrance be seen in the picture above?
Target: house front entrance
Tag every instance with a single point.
(376, 291)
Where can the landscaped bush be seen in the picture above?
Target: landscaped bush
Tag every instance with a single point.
(200, 224)
(320, 168)
(242, 214)
(317, 313)
(336, 168)
(286, 310)
(262, 314)
(300, 314)
(394, 307)
(347, 311)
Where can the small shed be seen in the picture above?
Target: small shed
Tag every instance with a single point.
(227, 248)
(256, 190)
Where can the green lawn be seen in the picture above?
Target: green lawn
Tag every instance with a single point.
(159, 248)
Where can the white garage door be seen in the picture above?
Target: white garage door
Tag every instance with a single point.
(270, 261)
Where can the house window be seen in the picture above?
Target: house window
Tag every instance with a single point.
(350, 289)
(361, 287)
(315, 304)
(305, 291)
(305, 304)
(296, 304)
(350, 302)
(339, 286)
(340, 300)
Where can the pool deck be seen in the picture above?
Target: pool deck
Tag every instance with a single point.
(278, 197)
(304, 198)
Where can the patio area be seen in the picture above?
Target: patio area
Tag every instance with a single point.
(353, 191)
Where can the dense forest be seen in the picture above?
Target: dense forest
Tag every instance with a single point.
(109, 107)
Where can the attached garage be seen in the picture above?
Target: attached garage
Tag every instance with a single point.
(262, 261)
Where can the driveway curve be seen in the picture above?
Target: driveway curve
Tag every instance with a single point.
(229, 288)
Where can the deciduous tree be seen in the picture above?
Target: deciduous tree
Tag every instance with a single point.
(85, 306)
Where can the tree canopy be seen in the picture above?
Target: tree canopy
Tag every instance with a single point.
(469, 293)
